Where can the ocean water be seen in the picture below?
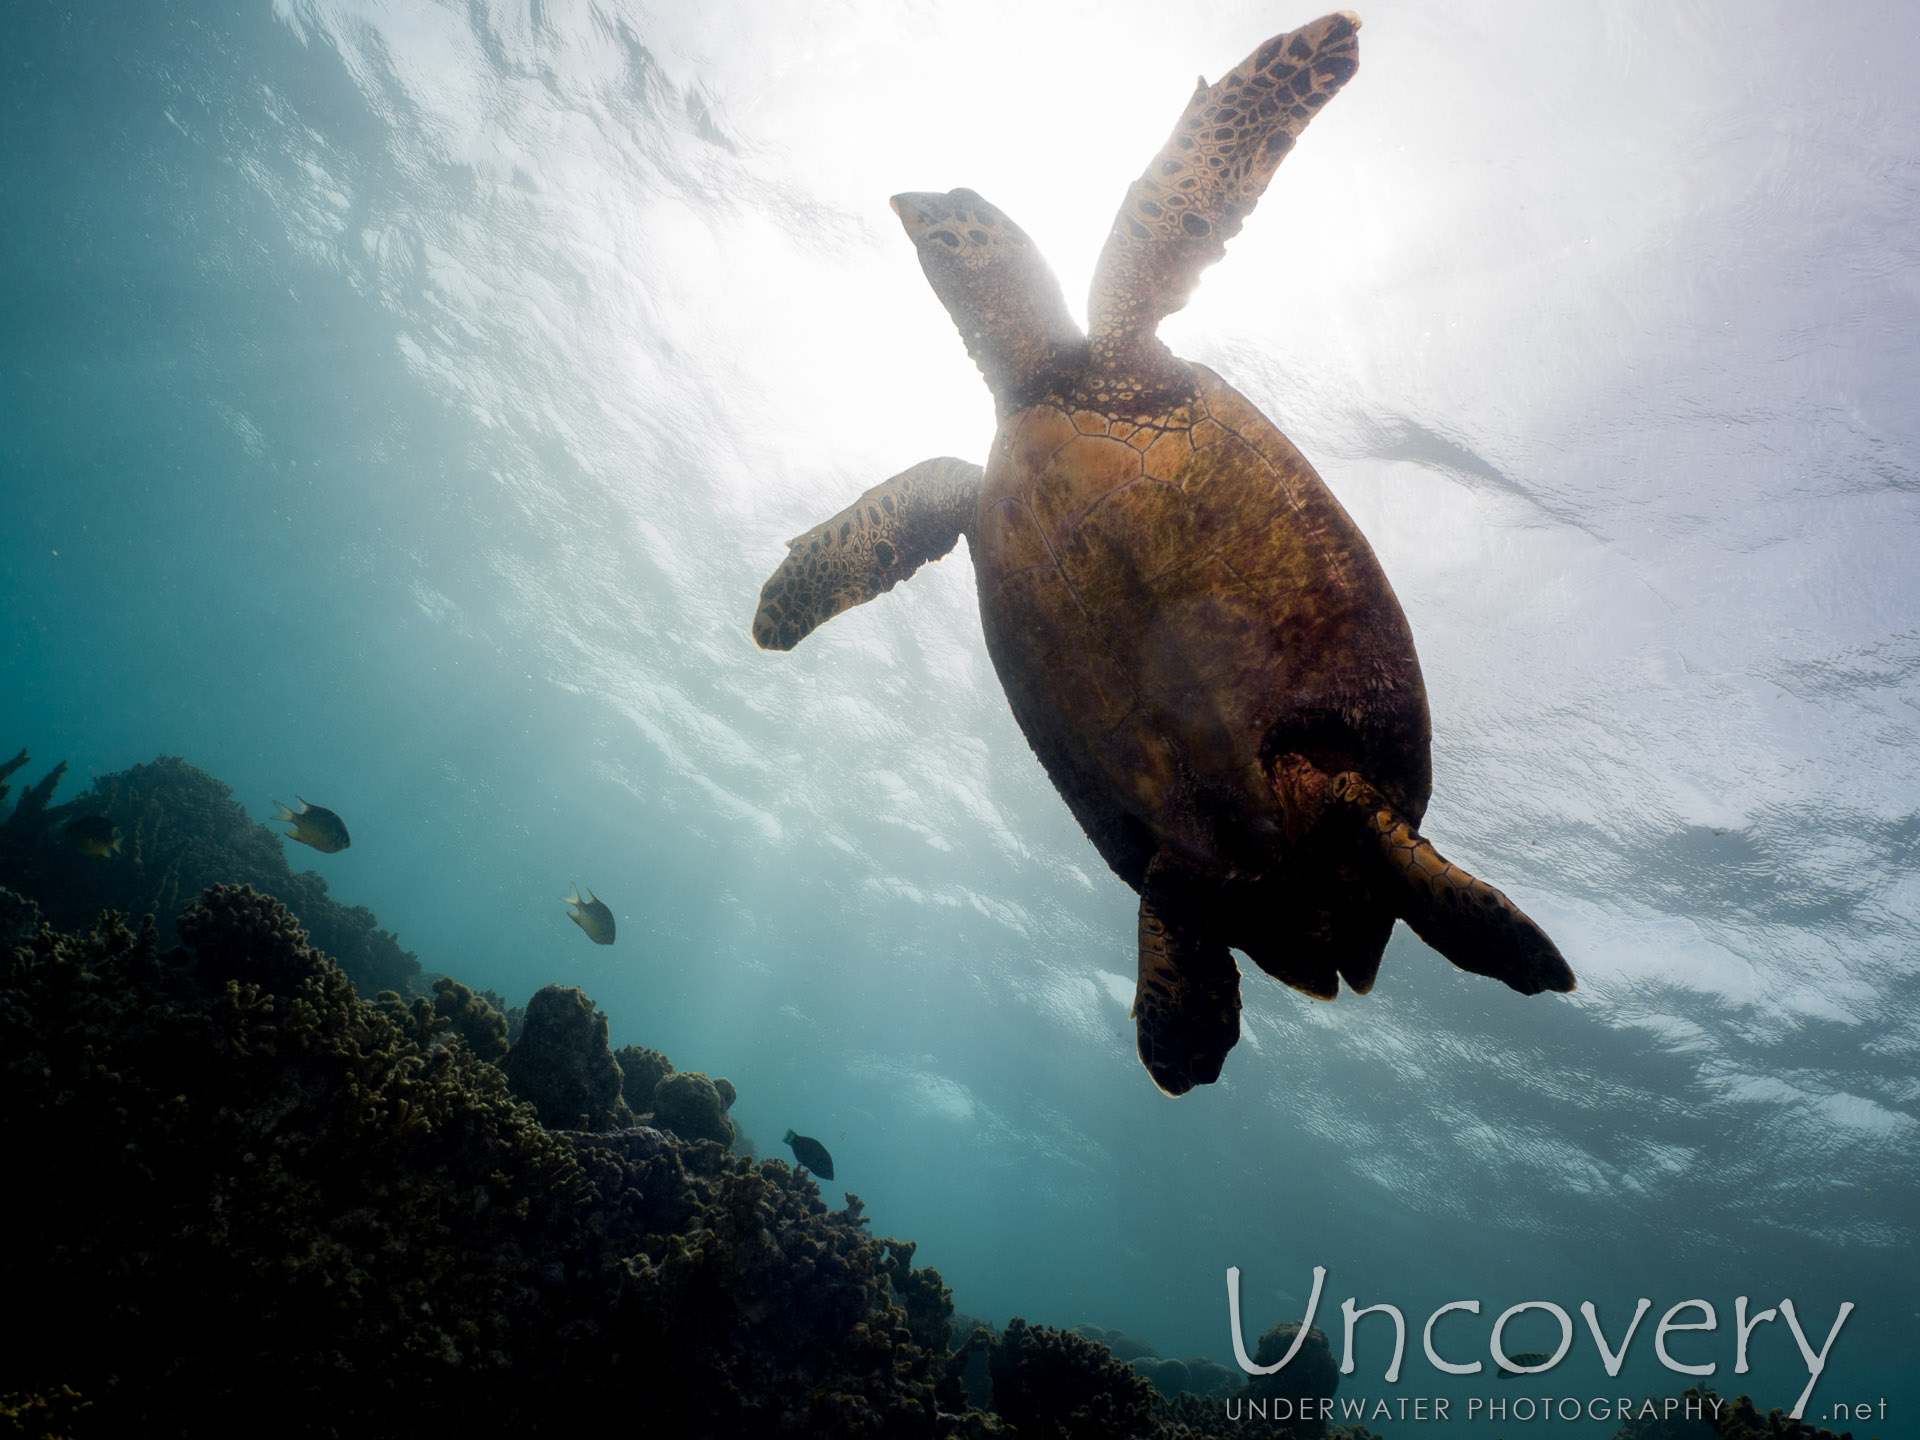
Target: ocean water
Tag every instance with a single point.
(401, 404)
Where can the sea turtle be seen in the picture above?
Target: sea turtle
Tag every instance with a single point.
(1196, 639)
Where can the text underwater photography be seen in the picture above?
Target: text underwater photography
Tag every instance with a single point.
(1543, 1405)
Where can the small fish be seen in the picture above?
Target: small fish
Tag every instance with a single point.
(94, 835)
(1527, 1359)
(591, 916)
(312, 825)
(810, 1153)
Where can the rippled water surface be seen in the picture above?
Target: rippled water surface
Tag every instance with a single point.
(403, 404)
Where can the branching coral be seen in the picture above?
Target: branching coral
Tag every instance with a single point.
(481, 1025)
(929, 1303)
(1055, 1385)
(19, 920)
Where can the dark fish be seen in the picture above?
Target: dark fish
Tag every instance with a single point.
(810, 1153)
(1526, 1358)
(315, 826)
(591, 916)
(94, 835)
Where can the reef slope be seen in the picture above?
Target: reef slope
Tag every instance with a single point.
(180, 831)
(246, 1192)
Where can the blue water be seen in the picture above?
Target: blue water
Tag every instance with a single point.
(403, 403)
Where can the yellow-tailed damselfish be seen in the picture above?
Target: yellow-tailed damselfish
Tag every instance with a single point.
(591, 916)
(314, 825)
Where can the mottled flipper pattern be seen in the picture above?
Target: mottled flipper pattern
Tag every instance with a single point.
(867, 549)
(1199, 190)
(1467, 920)
(1186, 1006)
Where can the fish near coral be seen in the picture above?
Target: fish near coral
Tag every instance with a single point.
(94, 835)
(810, 1153)
(314, 825)
(591, 916)
(1192, 633)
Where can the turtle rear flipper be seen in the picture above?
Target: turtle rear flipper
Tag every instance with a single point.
(1311, 934)
(867, 549)
(1466, 920)
(1186, 1006)
(1199, 190)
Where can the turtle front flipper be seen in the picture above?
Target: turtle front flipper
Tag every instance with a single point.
(1466, 920)
(867, 549)
(1186, 1007)
(1200, 188)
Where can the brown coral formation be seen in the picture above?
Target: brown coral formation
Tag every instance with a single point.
(562, 1065)
(292, 1201)
(1311, 1376)
(482, 1026)
(275, 1197)
(181, 832)
(641, 1069)
(1171, 1378)
(274, 1201)
(692, 1107)
(1054, 1385)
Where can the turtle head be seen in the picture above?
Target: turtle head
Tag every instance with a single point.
(997, 287)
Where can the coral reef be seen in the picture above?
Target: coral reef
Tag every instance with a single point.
(181, 832)
(482, 1025)
(276, 1197)
(291, 1201)
(19, 919)
(282, 1205)
(692, 1107)
(275, 1188)
(1120, 1345)
(686, 1102)
(642, 1069)
(1309, 1377)
(1170, 1378)
(562, 1064)
(929, 1304)
(37, 1416)
(516, 1014)
(967, 1369)
(1054, 1385)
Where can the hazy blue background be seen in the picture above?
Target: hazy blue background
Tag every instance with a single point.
(402, 403)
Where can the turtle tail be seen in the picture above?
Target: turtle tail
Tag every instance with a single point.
(1467, 920)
